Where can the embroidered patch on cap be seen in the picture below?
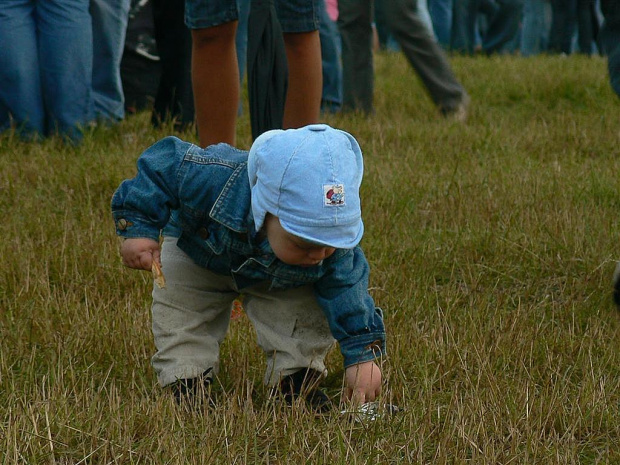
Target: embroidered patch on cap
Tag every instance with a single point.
(333, 195)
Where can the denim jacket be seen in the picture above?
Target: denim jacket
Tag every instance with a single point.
(202, 196)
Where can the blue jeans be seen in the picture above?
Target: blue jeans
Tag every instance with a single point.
(45, 66)
(109, 25)
(503, 17)
(441, 16)
(331, 50)
(535, 27)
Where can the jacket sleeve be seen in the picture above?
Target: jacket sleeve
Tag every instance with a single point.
(353, 319)
(141, 206)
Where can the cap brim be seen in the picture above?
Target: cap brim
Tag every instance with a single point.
(336, 236)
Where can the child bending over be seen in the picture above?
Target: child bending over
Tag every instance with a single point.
(281, 224)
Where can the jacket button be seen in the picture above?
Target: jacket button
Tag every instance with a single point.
(203, 233)
(121, 224)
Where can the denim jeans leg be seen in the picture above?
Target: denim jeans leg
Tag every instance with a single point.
(463, 32)
(331, 99)
(109, 23)
(441, 17)
(66, 58)
(532, 32)
(241, 39)
(504, 25)
(20, 82)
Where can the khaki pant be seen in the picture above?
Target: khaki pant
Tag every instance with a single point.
(191, 316)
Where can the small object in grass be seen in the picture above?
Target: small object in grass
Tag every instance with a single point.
(371, 411)
(158, 275)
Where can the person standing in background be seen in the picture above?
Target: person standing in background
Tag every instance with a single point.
(215, 70)
(109, 24)
(610, 39)
(417, 43)
(503, 18)
(174, 100)
(46, 63)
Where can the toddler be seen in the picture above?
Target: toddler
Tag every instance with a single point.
(280, 224)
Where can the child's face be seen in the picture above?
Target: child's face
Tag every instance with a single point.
(291, 249)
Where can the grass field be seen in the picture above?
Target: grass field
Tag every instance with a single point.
(492, 245)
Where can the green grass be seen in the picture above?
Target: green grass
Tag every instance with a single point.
(491, 243)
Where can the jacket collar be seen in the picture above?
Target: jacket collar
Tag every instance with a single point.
(232, 207)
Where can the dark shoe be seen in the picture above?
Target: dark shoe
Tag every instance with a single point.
(616, 281)
(304, 384)
(193, 392)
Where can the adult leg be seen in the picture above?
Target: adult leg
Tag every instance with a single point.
(190, 317)
(610, 38)
(20, 80)
(215, 79)
(441, 16)
(354, 23)
(503, 25)
(331, 97)
(109, 23)
(532, 32)
(585, 26)
(425, 16)
(464, 20)
(299, 20)
(305, 79)
(424, 55)
(66, 58)
(174, 99)
(291, 328)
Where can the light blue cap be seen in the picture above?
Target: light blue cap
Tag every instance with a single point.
(310, 179)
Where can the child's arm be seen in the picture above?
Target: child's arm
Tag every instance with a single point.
(355, 322)
(141, 206)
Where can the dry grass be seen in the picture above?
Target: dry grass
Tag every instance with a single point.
(492, 246)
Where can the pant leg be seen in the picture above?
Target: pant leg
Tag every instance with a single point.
(20, 78)
(585, 26)
(291, 328)
(331, 99)
(241, 39)
(354, 23)
(175, 98)
(610, 38)
(532, 32)
(503, 26)
(563, 26)
(424, 54)
(109, 23)
(66, 59)
(464, 19)
(441, 16)
(190, 317)
(425, 16)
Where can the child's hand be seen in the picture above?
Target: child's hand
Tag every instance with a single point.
(362, 382)
(139, 253)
